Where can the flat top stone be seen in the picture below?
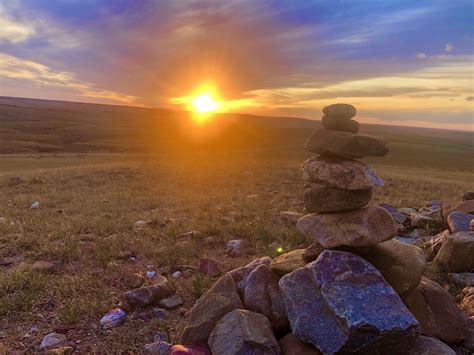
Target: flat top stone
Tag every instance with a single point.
(339, 173)
(340, 110)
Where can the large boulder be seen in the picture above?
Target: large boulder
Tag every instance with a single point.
(457, 252)
(340, 302)
(288, 262)
(340, 124)
(339, 173)
(290, 345)
(262, 295)
(401, 264)
(430, 346)
(437, 311)
(346, 145)
(342, 111)
(214, 304)
(331, 199)
(363, 227)
(243, 332)
(459, 221)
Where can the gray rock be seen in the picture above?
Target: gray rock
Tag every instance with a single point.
(146, 295)
(53, 340)
(219, 300)
(407, 240)
(430, 346)
(459, 221)
(171, 302)
(243, 332)
(113, 318)
(456, 253)
(344, 111)
(288, 262)
(340, 124)
(341, 174)
(340, 302)
(240, 274)
(158, 348)
(462, 279)
(346, 145)
(262, 295)
(364, 227)
(331, 199)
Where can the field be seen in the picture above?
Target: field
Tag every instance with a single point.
(90, 197)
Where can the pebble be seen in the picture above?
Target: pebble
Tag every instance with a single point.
(235, 244)
(160, 313)
(35, 205)
(176, 275)
(160, 336)
(44, 266)
(113, 318)
(171, 302)
(158, 348)
(52, 340)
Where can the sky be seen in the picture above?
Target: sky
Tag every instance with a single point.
(399, 62)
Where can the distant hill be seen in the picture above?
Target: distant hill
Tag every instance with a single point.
(44, 126)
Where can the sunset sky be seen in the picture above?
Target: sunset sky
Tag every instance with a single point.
(399, 62)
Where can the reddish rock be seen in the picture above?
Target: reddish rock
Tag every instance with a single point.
(210, 267)
(457, 252)
(463, 206)
(290, 345)
(189, 350)
(146, 295)
(437, 312)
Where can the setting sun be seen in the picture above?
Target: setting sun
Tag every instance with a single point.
(205, 103)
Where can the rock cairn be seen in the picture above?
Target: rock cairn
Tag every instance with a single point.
(355, 289)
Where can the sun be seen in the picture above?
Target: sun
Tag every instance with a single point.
(204, 103)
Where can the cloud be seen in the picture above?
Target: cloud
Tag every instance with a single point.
(13, 31)
(420, 55)
(41, 75)
(448, 47)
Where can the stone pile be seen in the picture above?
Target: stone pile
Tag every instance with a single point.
(355, 289)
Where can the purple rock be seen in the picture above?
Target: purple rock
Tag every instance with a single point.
(340, 302)
(459, 221)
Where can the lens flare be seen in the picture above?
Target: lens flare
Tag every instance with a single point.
(205, 103)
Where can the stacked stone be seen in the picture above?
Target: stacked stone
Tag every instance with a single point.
(339, 187)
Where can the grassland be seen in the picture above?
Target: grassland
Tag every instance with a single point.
(90, 200)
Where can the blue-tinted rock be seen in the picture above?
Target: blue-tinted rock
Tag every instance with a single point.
(340, 302)
(459, 221)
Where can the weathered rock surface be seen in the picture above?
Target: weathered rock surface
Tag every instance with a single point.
(340, 302)
(346, 145)
(214, 304)
(171, 302)
(53, 340)
(469, 342)
(456, 253)
(288, 262)
(341, 174)
(331, 199)
(158, 348)
(437, 312)
(146, 295)
(340, 124)
(463, 206)
(364, 227)
(401, 264)
(459, 221)
(343, 111)
(430, 346)
(312, 252)
(262, 295)
(243, 332)
(462, 279)
(240, 274)
(290, 345)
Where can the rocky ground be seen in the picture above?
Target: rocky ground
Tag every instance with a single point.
(72, 263)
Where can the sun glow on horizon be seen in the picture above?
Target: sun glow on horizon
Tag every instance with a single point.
(205, 103)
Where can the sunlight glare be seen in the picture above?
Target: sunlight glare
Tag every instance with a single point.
(205, 103)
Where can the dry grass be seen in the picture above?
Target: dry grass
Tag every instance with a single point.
(85, 223)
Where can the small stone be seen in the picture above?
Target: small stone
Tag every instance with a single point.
(235, 244)
(3, 220)
(330, 199)
(290, 345)
(430, 346)
(140, 226)
(340, 124)
(312, 252)
(210, 267)
(160, 336)
(113, 318)
(288, 262)
(290, 216)
(459, 221)
(363, 227)
(243, 332)
(342, 111)
(35, 205)
(346, 145)
(456, 252)
(437, 311)
(158, 348)
(146, 295)
(171, 302)
(52, 340)
(176, 275)
(133, 280)
(161, 314)
(340, 302)
(468, 195)
(462, 279)
(44, 266)
(339, 173)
